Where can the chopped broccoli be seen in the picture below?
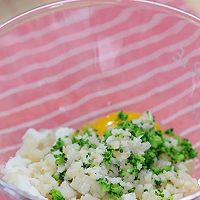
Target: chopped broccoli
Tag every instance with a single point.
(104, 185)
(122, 116)
(59, 177)
(170, 197)
(169, 132)
(56, 150)
(107, 134)
(159, 193)
(92, 145)
(131, 190)
(136, 159)
(108, 155)
(83, 142)
(159, 149)
(156, 170)
(167, 168)
(56, 194)
(88, 164)
(115, 190)
(58, 146)
(158, 183)
(60, 158)
(122, 173)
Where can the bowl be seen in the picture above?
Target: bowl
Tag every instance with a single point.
(72, 61)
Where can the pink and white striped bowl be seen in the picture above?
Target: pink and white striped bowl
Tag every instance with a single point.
(70, 62)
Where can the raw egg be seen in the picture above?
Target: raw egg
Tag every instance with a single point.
(101, 124)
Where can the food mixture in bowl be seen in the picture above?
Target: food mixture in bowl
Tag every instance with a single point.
(122, 156)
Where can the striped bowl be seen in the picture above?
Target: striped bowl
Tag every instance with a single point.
(69, 62)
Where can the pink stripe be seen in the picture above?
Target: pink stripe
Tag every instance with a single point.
(9, 148)
(175, 114)
(181, 105)
(186, 120)
(156, 55)
(190, 130)
(49, 25)
(60, 118)
(76, 51)
(193, 137)
(35, 85)
(131, 103)
(173, 99)
(73, 34)
(61, 75)
(74, 88)
(197, 145)
(56, 113)
(181, 113)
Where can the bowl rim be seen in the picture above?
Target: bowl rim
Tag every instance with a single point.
(14, 21)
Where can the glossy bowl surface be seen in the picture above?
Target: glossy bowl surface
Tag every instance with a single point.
(72, 61)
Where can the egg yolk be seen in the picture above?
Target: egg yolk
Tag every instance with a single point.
(102, 123)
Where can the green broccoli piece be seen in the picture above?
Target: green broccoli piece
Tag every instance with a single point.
(104, 185)
(115, 190)
(131, 190)
(89, 164)
(56, 194)
(156, 170)
(60, 159)
(169, 132)
(108, 155)
(122, 173)
(59, 177)
(107, 134)
(158, 183)
(170, 197)
(122, 116)
(159, 194)
(58, 146)
(81, 142)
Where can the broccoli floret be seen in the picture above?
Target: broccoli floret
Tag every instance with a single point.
(169, 132)
(58, 146)
(104, 185)
(107, 134)
(60, 159)
(108, 155)
(88, 164)
(122, 173)
(59, 177)
(170, 197)
(158, 183)
(115, 190)
(156, 170)
(56, 195)
(122, 116)
(159, 194)
(56, 150)
(131, 190)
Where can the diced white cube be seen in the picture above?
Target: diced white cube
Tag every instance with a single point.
(130, 196)
(88, 197)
